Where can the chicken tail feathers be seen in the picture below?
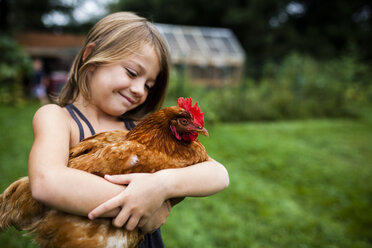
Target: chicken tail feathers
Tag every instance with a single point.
(18, 208)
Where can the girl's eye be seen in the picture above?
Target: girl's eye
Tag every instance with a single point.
(131, 73)
(147, 87)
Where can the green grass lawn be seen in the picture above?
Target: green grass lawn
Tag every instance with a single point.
(292, 184)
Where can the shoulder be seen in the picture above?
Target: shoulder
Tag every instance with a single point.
(50, 115)
(49, 109)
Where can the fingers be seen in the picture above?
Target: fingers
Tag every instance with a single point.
(148, 228)
(119, 179)
(121, 218)
(149, 225)
(123, 178)
(124, 216)
(132, 223)
(105, 207)
(136, 202)
(142, 222)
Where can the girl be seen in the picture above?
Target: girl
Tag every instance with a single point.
(121, 72)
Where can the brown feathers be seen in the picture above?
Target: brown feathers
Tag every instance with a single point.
(149, 147)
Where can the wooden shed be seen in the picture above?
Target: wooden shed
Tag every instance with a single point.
(56, 50)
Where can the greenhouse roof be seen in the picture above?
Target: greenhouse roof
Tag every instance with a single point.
(202, 45)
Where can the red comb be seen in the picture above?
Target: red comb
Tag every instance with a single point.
(186, 104)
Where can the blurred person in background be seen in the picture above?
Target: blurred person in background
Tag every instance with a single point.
(40, 82)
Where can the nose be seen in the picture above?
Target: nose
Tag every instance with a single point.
(138, 88)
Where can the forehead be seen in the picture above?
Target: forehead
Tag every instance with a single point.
(145, 57)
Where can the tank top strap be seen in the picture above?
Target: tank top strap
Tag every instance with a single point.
(129, 124)
(72, 110)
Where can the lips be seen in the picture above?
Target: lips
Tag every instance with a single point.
(130, 100)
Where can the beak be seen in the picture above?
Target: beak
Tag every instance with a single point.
(203, 131)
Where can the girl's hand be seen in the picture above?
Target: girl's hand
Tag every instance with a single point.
(157, 220)
(143, 196)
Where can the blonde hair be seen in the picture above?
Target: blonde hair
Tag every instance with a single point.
(115, 37)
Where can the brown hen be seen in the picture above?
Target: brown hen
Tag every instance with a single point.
(164, 139)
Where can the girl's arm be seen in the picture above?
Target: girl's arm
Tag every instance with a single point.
(203, 179)
(146, 191)
(78, 192)
(52, 182)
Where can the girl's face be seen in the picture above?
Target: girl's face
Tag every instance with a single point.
(119, 87)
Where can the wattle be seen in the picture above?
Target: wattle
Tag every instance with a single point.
(190, 136)
(174, 132)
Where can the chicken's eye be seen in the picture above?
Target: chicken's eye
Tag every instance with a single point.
(183, 121)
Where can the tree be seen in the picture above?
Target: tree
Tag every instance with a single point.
(271, 29)
(14, 66)
(20, 15)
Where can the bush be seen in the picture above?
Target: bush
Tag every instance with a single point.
(297, 88)
(15, 65)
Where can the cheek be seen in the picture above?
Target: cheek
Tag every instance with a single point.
(112, 77)
(143, 99)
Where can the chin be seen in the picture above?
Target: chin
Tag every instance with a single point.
(116, 111)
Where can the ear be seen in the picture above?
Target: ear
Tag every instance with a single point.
(88, 50)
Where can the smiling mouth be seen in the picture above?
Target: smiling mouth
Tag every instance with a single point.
(131, 101)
